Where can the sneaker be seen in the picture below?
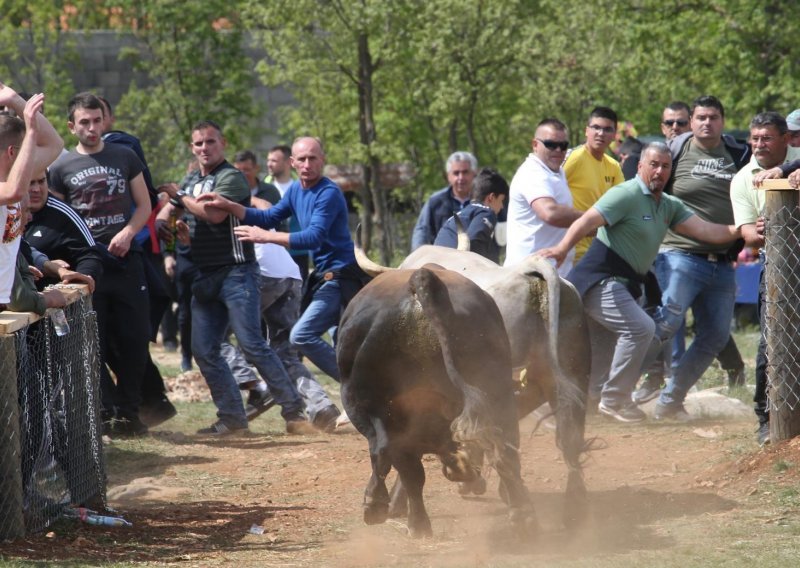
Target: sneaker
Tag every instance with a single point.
(219, 428)
(325, 420)
(650, 389)
(300, 427)
(671, 412)
(763, 434)
(186, 364)
(258, 402)
(170, 346)
(736, 378)
(157, 412)
(628, 413)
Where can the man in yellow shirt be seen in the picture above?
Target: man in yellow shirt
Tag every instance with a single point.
(590, 171)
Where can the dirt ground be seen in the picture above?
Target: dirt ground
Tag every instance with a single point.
(659, 494)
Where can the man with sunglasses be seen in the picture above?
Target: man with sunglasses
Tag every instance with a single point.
(540, 204)
(675, 120)
(589, 169)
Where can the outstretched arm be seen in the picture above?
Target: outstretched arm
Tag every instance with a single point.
(48, 142)
(588, 222)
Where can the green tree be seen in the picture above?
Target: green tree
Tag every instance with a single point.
(197, 68)
(37, 50)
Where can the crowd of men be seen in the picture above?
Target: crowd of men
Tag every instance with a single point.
(643, 241)
(94, 216)
(669, 222)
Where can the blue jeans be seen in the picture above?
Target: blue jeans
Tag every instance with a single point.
(709, 288)
(237, 305)
(321, 314)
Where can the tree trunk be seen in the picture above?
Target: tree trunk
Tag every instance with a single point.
(782, 280)
(373, 195)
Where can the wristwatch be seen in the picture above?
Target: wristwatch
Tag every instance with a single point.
(177, 201)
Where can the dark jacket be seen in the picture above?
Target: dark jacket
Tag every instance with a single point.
(740, 153)
(479, 221)
(600, 263)
(60, 233)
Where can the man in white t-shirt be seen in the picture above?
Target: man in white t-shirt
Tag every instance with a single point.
(28, 144)
(540, 204)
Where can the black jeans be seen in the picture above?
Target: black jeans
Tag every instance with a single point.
(760, 398)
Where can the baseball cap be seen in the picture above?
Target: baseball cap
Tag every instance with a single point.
(793, 120)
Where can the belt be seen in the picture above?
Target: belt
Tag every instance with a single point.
(711, 256)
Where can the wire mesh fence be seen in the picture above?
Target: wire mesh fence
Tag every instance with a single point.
(782, 321)
(50, 447)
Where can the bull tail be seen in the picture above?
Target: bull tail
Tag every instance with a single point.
(471, 425)
(565, 316)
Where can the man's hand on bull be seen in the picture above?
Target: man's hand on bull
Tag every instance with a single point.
(554, 253)
(250, 234)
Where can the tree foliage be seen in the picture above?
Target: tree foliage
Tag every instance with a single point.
(194, 57)
(412, 81)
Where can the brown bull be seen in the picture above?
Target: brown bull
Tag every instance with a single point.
(546, 326)
(425, 368)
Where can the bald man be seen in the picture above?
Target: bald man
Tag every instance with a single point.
(320, 208)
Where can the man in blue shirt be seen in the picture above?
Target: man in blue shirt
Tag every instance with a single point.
(320, 208)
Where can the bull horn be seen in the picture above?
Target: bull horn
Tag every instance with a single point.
(461, 234)
(367, 265)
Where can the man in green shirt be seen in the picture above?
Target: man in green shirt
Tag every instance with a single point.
(631, 220)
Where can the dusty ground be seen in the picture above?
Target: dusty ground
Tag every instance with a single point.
(659, 495)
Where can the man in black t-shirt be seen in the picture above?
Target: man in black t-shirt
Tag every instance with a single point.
(104, 184)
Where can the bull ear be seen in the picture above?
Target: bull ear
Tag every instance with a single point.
(367, 265)
(461, 233)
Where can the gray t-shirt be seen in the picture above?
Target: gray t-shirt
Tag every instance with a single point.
(703, 181)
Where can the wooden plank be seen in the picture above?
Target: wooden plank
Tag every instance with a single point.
(14, 321)
(776, 185)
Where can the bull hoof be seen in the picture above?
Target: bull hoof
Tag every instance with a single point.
(502, 490)
(523, 521)
(376, 513)
(476, 487)
(420, 529)
(457, 467)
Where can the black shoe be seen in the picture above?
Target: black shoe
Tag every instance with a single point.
(157, 412)
(325, 420)
(170, 346)
(650, 389)
(220, 429)
(127, 427)
(763, 434)
(186, 364)
(671, 412)
(258, 402)
(628, 413)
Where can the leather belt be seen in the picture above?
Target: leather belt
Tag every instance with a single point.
(711, 256)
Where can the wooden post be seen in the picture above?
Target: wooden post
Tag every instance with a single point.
(782, 279)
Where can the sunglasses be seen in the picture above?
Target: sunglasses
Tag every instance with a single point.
(676, 122)
(553, 145)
